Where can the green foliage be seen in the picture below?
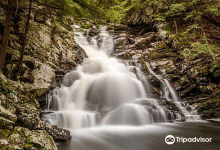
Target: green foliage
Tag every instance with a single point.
(98, 11)
(176, 9)
(185, 21)
(213, 8)
(102, 11)
(4, 86)
(198, 48)
(201, 49)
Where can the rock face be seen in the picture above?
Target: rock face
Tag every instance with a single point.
(41, 140)
(59, 135)
(7, 119)
(28, 116)
(51, 51)
(43, 75)
(196, 79)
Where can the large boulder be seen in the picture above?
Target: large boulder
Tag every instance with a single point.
(39, 139)
(28, 117)
(23, 138)
(58, 134)
(43, 75)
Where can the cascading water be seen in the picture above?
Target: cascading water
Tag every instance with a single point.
(102, 90)
(171, 95)
(104, 93)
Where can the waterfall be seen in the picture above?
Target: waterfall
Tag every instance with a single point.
(105, 91)
(170, 94)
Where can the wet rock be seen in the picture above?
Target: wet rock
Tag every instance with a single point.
(41, 140)
(120, 54)
(172, 115)
(154, 107)
(93, 32)
(58, 134)
(120, 41)
(170, 105)
(154, 81)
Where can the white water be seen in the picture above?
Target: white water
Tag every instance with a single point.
(171, 95)
(104, 91)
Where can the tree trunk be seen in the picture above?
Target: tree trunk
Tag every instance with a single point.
(25, 37)
(6, 34)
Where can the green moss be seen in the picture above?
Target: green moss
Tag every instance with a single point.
(86, 26)
(28, 143)
(162, 46)
(211, 108)
(205, 71)
(215, 70)
(5, 87)
(5, 133)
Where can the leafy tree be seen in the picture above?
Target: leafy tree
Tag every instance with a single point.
(186, 20)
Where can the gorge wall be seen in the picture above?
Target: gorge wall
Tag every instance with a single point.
(50, 52)
(196, 79)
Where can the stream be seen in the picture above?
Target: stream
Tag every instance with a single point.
(149, 137)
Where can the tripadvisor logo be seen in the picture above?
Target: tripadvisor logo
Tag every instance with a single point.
(170, 139)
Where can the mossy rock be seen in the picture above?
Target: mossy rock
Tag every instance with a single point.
(215, 70)
(4, 133)
(204, 71)
(41, 140)
(23, 138)
(7, 114)
(162, 46)
(5, 123)
(211, 108)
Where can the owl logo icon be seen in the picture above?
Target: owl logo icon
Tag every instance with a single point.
(169, 139)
